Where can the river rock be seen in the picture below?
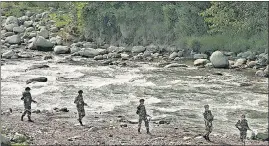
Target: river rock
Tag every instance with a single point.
(7, 34)
(90, 45)
(124, 56)
(260, 73)
(39, 79)
(251, 64)
(98, 57)
(37, 66)
(200, 56)
(42, 44)
(240, 62)
(61, 49)
(11, 22)
(102, 51)
(247, 55)
(8, 54)
(28, 23)
(138, 49)
(175, 65)
(47, 57)
(219, 60)
(199, 62)
(89, 52)
(15, 39)
(54, 29)
(173, 55)
(113, 55)
(152, 48)
(75, 49)
(44, 33)
(18, 29)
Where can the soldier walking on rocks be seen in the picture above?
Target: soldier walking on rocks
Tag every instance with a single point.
(141, 111)
(242, 126)
(80, 106)
(208, 117)
(27, 98)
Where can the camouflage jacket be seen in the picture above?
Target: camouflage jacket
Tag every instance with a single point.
(242, 125)
(79, 101)
(208, 116)
(27, 98)
(142, 111)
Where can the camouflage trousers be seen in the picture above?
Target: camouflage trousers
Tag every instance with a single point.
(81, 112)
(27, 110)
(208, 128)
(143, 118)
(243, 134)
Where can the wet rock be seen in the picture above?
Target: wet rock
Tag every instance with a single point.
(64, 109)
(200, 56)
(8, 54)
(38, 66)
(15, 39)
(61, 49)
(175, 65)
(219, 60)
(39, 79)
(199, 62)
(138, 49)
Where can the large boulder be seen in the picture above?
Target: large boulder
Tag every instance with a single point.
(89, 52)
(44, 33)
(42, 44)
(10, 27)
(61, 49)
(11, 22)
(138, 49)
(15, 39)
(200, 62)
(219, 60)
(200, 56)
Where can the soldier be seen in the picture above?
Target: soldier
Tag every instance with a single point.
(27, 98)
(80, 106)
(208, 117)
(141, 111)
(242, 125)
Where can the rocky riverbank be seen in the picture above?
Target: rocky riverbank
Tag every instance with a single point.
(175, 83)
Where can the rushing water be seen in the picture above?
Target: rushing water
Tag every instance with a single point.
(175, 94)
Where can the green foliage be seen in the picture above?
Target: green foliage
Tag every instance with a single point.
(62, 20)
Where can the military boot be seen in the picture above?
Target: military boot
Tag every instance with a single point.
(80, 122)
(22, 117)
(139, 131)
(148, 131)
(29, 119)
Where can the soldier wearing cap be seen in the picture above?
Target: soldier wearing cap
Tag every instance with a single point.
(80, 106)
(141, 111)
(242, 126)
(208, 117)
(27, 98)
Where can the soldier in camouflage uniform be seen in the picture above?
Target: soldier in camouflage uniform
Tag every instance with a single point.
(208, 117)
(141, 111)
(242, 125)
(80, 106)
(27, 98)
